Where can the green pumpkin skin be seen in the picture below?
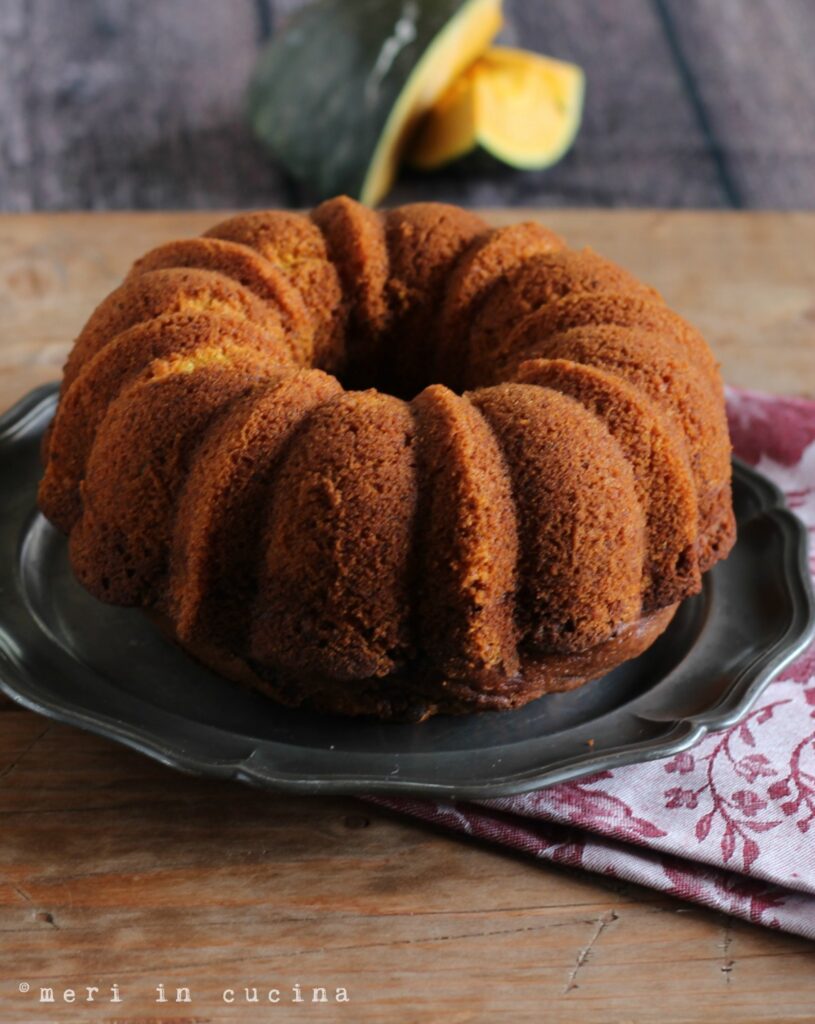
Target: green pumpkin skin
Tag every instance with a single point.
(338, 91)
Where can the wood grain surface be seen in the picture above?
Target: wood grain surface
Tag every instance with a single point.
(747, 280)
(140, 103)
(114, 869)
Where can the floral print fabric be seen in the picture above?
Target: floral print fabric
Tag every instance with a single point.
(729, 824)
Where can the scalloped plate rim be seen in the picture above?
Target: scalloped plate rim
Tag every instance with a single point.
(680, 734)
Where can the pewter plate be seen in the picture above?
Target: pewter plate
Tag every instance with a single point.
(108, 670)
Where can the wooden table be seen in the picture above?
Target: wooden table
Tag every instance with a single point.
(114, 869)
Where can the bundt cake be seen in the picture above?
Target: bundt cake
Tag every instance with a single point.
(391, 463)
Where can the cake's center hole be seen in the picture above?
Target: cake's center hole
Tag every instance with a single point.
(393, 370)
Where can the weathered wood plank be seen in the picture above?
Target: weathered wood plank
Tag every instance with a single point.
(129, 104)
(743, 279)
(752, 68)
(118, 103)
(114, 869)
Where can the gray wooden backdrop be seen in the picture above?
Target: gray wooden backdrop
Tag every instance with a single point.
(139, 103)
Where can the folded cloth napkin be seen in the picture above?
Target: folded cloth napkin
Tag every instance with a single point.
(731, 823)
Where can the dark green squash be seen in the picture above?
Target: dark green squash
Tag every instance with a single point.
(340, 89)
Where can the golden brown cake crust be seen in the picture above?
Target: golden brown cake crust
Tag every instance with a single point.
(148, 350)
(374, 539)
(222, 510)
(663, 480)
(295, 245)
(248, 268)
(663, 370)
(581, 536)
(532, 285)
(424, 242)
(468, 538)
(335, 588)
(141, 298)
(355, 241)
(488, 258)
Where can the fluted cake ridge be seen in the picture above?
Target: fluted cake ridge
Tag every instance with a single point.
(392, 463)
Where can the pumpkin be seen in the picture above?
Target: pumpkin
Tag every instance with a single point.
(339, 91)
(522, 108)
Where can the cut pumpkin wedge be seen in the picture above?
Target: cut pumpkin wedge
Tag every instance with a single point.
(341, 88)
(522, 108)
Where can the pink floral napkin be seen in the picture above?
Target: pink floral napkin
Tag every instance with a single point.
(731, 823)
